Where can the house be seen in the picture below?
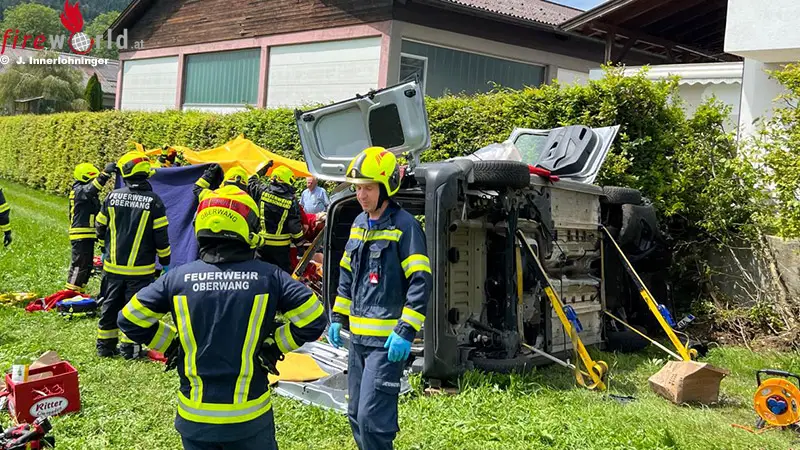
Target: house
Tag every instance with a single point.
(213, 56)
(106, 75)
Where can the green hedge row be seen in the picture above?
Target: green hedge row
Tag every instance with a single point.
(41, 151)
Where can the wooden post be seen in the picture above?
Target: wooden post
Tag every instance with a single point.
(609, 46)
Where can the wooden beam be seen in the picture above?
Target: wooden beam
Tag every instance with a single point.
(644, 37)
(672, 9)
(687, 18)
(624, 52)
(610, 36)
(696, 34)
(644, 7)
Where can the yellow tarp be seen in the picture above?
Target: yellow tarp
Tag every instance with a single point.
(297, 367)
(238, 152)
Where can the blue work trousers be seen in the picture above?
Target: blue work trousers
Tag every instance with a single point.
(373, 384)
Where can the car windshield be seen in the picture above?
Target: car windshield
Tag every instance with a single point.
(530, 146)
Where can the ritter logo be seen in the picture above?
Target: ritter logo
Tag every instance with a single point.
(72, 19)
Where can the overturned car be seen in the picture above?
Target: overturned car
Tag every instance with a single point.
(488, 308)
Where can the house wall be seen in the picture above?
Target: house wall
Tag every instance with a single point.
(764, 31)
(552, 62)
(149, 84)
(186, 22)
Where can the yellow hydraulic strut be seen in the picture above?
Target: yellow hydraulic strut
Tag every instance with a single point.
(307, 255)
(597, 370)
(685, 353)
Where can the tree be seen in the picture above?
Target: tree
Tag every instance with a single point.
(89, 9)
(32, 19)
(94, 94)
(99, 26)
(60, 84)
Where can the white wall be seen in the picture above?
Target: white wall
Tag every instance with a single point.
(322, 71)
(149, 84)
(478, 45)
(759, 92)
(764, 30)
(566, 76)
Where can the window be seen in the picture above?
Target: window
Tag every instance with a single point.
(444, 70)
(413, 66)
(530, 146)
(222, 78)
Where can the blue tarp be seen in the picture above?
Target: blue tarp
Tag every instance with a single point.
(174, 186)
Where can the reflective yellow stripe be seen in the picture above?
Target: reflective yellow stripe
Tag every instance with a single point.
(189, 344)
(276, 242)
(165, 252)
(4, 207)
(129, 270)
(345, 262)
(416, 263)
(357, 233)
(306, 313)
(81, 230)
(77, 237)
(164, 336)
(342, 305)
(5, 228)
(389, 235)
(203, 183)
(161, 222)
(297, 235)
(102, 219)
(73, 287)
(125, 339)
(372, 327)
(279, 230)
(249, 348)
(97, 184)
(107, 334)
(413, 318)
(137, 241)
(284, 339)
(140, 315)
(220, 413)
(112, 251)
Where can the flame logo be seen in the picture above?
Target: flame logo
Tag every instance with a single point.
(71, 18)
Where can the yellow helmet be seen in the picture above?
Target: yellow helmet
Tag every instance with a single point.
(375, 165)
(236, 176)
(85, 172)
(227, 213)
(133, 163)
(283, 174)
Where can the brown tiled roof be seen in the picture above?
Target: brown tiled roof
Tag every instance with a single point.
(533, 10)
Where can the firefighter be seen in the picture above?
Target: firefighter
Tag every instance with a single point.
(213, 177)
(384, 285)
(280, 215)
(5, 222)
(224, 306)
(132, 228)
(84, 204)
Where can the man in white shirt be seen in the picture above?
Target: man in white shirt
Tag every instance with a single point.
(314, 199)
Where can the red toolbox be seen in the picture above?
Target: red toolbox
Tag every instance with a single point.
(52, 396)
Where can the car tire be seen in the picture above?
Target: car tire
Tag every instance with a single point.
(501, 174)
(617, 195)
(635, 220)
(520, 364)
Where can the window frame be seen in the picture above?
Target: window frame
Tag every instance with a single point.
(424, 59)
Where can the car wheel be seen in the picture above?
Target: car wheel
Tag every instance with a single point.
(618, 195)
(501, 174)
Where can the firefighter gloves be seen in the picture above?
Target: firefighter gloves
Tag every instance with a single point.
(399, 348)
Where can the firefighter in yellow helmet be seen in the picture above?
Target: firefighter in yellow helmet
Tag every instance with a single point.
(224, 306)
(213, 178)
(384, 286)
(132, 228)
(280, 214)
(84, 205)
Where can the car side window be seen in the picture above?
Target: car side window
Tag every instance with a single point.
(385, 128)
(530, 146)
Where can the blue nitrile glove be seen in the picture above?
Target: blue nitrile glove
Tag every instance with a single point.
(399, 348)
(165, 269)
(333, 334)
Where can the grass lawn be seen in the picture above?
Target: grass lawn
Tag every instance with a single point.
(131, 405)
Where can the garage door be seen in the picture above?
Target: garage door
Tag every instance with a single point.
(149, 84)
(322, 71)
